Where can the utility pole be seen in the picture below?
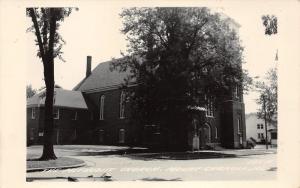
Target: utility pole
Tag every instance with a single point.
(265, 117)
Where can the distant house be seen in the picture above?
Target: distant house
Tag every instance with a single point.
(255, 128)
(71, 117)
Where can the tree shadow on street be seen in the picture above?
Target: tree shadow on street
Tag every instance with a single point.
(160, 179)
(179, 156)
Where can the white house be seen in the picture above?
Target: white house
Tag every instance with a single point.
(255, 128)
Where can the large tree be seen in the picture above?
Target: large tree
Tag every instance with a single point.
(178, 56)
(46, 23)
(267, 100)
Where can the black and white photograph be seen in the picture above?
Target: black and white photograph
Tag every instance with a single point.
(155, 93)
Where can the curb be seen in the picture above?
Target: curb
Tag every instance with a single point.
(255, 154)
(59, 167)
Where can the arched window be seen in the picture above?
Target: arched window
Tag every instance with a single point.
(101, 117)
(122, 105)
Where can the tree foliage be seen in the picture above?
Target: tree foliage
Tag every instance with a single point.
(46, 23)
(179, 55)
(267, 100)
(42, 17)
(270, 23)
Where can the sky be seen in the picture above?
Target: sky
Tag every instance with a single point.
(95, 30)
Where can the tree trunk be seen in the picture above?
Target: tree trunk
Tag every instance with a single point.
(48, 151)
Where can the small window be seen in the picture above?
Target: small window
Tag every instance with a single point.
(56, 113)
(74, 116)
(41, 133)
(32, 113)
(261, 126)
(121, 136)
(122, 105)
(258, 126)
(102, 99)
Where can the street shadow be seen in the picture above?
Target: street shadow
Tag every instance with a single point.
(179, 156)
(149, 154)
(111, 152)
(160, 179)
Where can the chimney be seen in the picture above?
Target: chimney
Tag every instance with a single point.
(88, 66)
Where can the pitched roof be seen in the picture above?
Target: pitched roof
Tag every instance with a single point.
(102, 78)
(62, 98)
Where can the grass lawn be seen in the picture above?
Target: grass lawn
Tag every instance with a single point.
(57, 163)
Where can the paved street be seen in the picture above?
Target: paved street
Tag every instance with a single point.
(261, 166)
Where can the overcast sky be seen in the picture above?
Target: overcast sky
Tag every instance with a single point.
(95, 30)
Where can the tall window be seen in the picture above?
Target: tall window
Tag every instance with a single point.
(122, 105)
(121, 136)
(74, 116)
(32, 113)
(101, 136)
(239, 125)
(209, 107)
(237, 93)
(101, 117)
(216, 129)
(31, 134)
(74, 134)
(56, 113)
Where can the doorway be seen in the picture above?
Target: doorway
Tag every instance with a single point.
(204, 133)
